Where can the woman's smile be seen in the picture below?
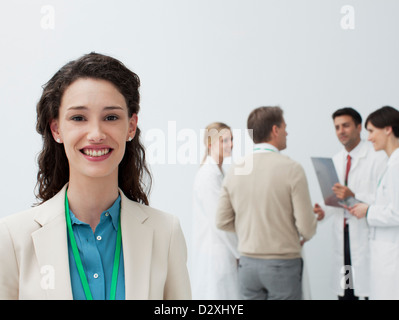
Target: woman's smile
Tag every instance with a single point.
(94, 127)
(96, 153)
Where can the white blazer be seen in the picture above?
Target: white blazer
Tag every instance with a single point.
(367, 165)
(34, 253)
(383, 218)
(214, 255)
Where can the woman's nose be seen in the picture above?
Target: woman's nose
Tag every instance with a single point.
(96, 133)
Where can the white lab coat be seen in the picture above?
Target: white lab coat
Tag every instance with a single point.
(214, 252)
(366, 168)
(383, 218)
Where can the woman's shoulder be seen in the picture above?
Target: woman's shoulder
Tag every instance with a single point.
(30, 220)
(152, 211)
(207, 174)
(19, 225)
(164, 224)
(147, 213)
(21, 217)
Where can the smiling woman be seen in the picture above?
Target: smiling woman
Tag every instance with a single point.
(93, 235)
(69, 92)
(383, 214)
(94, 125)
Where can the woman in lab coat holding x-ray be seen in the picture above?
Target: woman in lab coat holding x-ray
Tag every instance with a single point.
(214, 252)
(383, 215)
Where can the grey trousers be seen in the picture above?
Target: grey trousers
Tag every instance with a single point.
(270, 279)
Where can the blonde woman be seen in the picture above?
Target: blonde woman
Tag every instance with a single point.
(214, 254)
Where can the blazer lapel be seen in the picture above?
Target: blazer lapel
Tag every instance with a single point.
(137, 250)
(51, 248)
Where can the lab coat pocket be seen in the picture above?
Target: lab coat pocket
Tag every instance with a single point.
(384, 256)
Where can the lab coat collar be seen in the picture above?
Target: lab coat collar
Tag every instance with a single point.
(394, 157)
(209, 160)
(360, 151)
(211, 163)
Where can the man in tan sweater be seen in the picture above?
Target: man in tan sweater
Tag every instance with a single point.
(270, 210)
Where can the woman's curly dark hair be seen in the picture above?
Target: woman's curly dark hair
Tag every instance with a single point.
(134, 178)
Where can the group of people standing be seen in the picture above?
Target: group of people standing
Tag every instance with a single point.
(93, 235)
(249, 228)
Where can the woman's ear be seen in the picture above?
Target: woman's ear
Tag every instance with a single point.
(388, 130)
(55, 130)
(132, 127)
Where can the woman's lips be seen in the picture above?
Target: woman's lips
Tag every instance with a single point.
(96, 153)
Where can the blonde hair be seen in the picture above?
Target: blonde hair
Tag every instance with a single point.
(212, 131)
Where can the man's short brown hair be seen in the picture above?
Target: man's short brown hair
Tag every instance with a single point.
(261, 121)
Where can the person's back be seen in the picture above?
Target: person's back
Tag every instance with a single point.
(269, 208)
(272, 207)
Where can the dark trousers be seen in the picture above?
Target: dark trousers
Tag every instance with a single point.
(348, 293)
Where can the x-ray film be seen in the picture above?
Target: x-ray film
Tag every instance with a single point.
(327, 177)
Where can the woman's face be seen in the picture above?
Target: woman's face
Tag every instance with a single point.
(377, 136)
(93, 124)
(224, 145)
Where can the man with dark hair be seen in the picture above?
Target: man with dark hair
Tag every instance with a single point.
(348, 111)
(270, 210)
(358, 167)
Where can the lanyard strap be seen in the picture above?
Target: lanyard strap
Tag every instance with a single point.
(266, 149)
(78, 260)
(382, 176)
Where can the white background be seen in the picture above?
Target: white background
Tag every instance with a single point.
(202, 61)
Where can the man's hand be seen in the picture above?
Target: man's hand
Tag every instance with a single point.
(319, 211)
(359, 210)
(342, 192)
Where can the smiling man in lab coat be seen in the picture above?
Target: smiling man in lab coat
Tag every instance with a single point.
(358, 167)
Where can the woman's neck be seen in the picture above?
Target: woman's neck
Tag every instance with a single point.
(89, 197)
(218, 159)
(392, 145)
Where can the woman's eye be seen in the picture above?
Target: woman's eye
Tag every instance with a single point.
(111, 118)
(77, 118)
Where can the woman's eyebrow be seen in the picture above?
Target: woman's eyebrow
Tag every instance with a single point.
(86, 108)
(113, 108)
(77, 108)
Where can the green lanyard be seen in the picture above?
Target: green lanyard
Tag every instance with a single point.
(78, 261)
(266, 149)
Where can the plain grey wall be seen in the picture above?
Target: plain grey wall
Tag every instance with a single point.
(202, 61)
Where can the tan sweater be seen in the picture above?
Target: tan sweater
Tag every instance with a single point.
(269, 208)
